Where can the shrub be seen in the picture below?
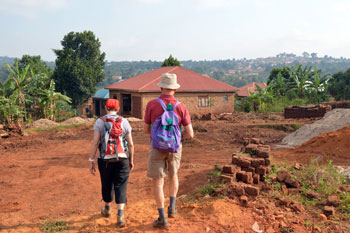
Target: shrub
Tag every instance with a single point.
(55, 226)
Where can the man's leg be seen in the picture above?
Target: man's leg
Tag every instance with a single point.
(158, 184)
(157, 171)
(174, 160)
(173, 185)
(173, 188)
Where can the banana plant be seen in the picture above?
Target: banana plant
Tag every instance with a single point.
(298, 79)
(21, 79)
(48, 99)
(260, 99)
(277, 86)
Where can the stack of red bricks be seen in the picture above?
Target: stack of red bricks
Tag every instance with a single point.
(249, 167)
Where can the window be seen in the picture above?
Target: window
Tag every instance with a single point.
(225, 98)
(203, 101)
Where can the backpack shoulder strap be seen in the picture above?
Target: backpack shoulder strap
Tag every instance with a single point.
(162, 104)
(177, 103)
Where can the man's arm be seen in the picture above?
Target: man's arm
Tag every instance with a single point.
(128, 138)
(188, 131)
(147, 128)
(93, 150)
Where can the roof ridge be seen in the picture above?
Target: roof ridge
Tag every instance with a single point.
(156, 79)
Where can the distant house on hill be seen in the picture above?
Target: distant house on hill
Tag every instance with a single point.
(249, 88)
(201, 94)
(117, 78)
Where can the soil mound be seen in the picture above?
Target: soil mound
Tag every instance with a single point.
(334, 142)
(328, 146)
(133, 119)
(44, 123)
(333, 120)
(73, 121)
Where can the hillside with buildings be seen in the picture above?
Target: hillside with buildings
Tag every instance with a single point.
(237, 72)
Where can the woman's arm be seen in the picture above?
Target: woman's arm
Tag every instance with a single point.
(93, 150)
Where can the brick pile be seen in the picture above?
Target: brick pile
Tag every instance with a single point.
(248, 168)
(306, 112)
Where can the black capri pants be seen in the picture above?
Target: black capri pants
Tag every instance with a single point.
(114, 176)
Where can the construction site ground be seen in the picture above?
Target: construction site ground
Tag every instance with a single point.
(44, 177)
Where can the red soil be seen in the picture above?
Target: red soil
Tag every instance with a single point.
(45, 177)
(333, 146)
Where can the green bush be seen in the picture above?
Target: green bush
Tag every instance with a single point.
(51, 227)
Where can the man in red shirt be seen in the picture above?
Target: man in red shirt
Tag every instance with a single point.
(162, 163)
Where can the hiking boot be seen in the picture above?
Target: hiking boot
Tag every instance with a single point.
(172, 212)
(105, 213)
(160, 223)
(121, 221)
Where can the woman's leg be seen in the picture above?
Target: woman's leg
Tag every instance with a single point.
(120, 182)
(106, 174)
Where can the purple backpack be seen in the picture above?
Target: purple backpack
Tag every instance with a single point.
(165, 132)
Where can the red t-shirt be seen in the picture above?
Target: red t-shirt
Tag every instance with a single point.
(154, 110)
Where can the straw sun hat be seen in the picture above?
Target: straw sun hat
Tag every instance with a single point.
(169, 81)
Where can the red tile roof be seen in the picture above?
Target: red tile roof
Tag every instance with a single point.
(249, 88)
(189, 81)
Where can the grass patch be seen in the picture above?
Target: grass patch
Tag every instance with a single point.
(308, 223)
(209, 189)
(324, 180)
(54, 226)
(345, 204)
(214, 181)
(56, 128)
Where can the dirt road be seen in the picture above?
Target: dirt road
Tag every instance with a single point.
(44, 177)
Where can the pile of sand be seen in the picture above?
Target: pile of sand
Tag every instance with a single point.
(44, 123)
(133, 119)
(333, 120)
(73, 121)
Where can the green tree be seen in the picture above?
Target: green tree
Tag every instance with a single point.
(79, 66)
(171, 61)
(36, 64)
(339, 85)
(285, 74)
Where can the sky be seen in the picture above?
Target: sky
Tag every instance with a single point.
(134, 30)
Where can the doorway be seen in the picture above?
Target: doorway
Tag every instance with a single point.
(126, 103)
(97, 108)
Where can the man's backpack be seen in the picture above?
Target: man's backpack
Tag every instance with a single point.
(112, 145)
(165, 132)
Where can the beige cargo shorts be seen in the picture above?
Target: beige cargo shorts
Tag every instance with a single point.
(162, 162)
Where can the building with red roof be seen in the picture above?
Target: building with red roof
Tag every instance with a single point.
(200, 93)
(249, 88)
